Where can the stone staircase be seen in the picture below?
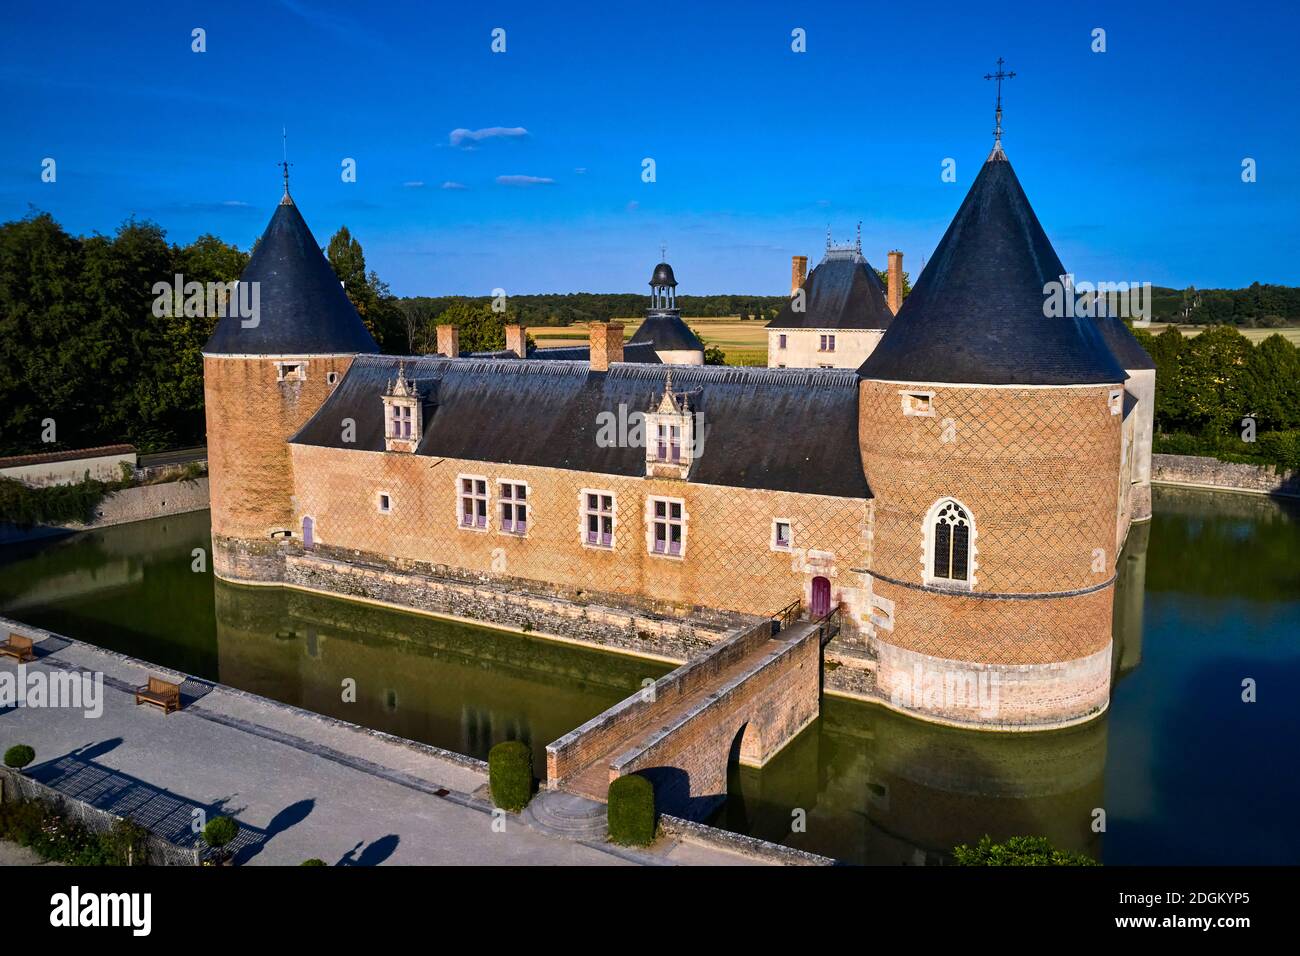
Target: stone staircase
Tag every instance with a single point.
(567, 815)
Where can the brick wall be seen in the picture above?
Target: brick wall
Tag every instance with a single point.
(728, 563)
(249, 416)
(1037, 469)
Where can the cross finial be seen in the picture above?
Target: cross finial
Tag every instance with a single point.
(284, 163)
(858, 245)
(663, 252)
(1000, 75)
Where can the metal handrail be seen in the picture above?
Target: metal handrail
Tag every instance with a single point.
(788, 614)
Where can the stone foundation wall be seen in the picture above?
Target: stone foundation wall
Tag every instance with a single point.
(122, 507)
(995, 696)
(605, 626)
(1212, 473)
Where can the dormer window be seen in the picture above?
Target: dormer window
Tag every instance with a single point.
(671, 434)
(403, 414)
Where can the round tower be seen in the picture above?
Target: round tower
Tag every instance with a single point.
(673, 340)
(266, 371)
(991, 436)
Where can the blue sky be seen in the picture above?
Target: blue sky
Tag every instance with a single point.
(1132, 157)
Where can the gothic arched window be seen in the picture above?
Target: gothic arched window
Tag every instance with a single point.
(952, 539)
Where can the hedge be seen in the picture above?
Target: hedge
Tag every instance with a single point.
(631, 810)
(1018, 851)
(510, 775)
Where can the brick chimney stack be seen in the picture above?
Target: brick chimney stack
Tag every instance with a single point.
(895, 285)
(606, 344)
(449, 341)
(517, 340)
(798, 272)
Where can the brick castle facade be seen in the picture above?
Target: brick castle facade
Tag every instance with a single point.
(959, 500)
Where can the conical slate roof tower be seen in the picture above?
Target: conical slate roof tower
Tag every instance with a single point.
(303, 308)
(977, 313)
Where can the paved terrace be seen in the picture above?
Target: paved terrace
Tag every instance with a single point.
(301, 785)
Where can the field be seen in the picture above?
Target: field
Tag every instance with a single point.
(1290, 333)
(745, 343)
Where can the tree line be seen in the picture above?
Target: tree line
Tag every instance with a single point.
(1218, 394)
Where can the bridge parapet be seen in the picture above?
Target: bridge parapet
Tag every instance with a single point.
(611, 729)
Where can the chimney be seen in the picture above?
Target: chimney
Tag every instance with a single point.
(606, 344)
(798, 272)
(895, 286)
(516, 340)
(449, 341)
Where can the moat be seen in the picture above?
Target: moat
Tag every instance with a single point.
(1209, 596)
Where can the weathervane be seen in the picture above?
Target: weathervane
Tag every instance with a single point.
(999, 76)
(284, 163)
(663, 252)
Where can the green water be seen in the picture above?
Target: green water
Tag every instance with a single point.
(1183, 770)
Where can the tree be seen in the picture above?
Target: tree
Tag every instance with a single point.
(480, 329)
(369, 295)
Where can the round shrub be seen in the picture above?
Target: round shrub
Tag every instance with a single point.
(219, 831)
(314, 861)
(510, 775)
(19, 756)
(632, 811)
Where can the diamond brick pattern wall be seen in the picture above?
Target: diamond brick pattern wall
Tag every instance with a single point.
(249, 417)
(728, 562)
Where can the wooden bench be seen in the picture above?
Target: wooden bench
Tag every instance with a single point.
(160, 693)
(18, 647)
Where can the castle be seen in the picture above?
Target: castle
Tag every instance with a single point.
(959, 497)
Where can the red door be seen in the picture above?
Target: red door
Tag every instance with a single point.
(821, 597)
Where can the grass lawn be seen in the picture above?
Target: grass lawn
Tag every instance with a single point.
(745, 343)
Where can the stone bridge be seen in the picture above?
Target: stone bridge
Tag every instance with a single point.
(746, 697)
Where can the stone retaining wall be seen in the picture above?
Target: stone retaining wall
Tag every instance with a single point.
(598, 625)
(1235, 476)
(139, 503)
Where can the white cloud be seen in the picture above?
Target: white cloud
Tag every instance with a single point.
(234, 202)
(451, 185)
(414, 184)
(524, 181)
(460, 136)
(580, 170)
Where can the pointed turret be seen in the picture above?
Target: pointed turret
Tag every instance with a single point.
(978, 314)
(303, 309)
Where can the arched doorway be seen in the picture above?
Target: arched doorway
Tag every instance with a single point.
(821, 597)
(308, 540)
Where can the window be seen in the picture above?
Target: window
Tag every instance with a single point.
(920, 404)
(473, 502)
(827, 343)
(1116, 401)
(952, 538)
(400, 421)
(669, 446)
(782, 537)
(598, 519)
(668, 528)
(331, 378)
(385, 502)
(290, 372)
(513, 496)
(781, 341)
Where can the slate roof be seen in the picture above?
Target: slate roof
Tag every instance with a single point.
(639, 354)
(1122, 343)
(976, 313)
(843, 292)
(303, 309)
(665, 331)
(778, 429)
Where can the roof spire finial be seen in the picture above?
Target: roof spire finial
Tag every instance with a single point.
(828, 237)
(285, 164)
(858, 245)
(663, 252)
(1000, 75)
